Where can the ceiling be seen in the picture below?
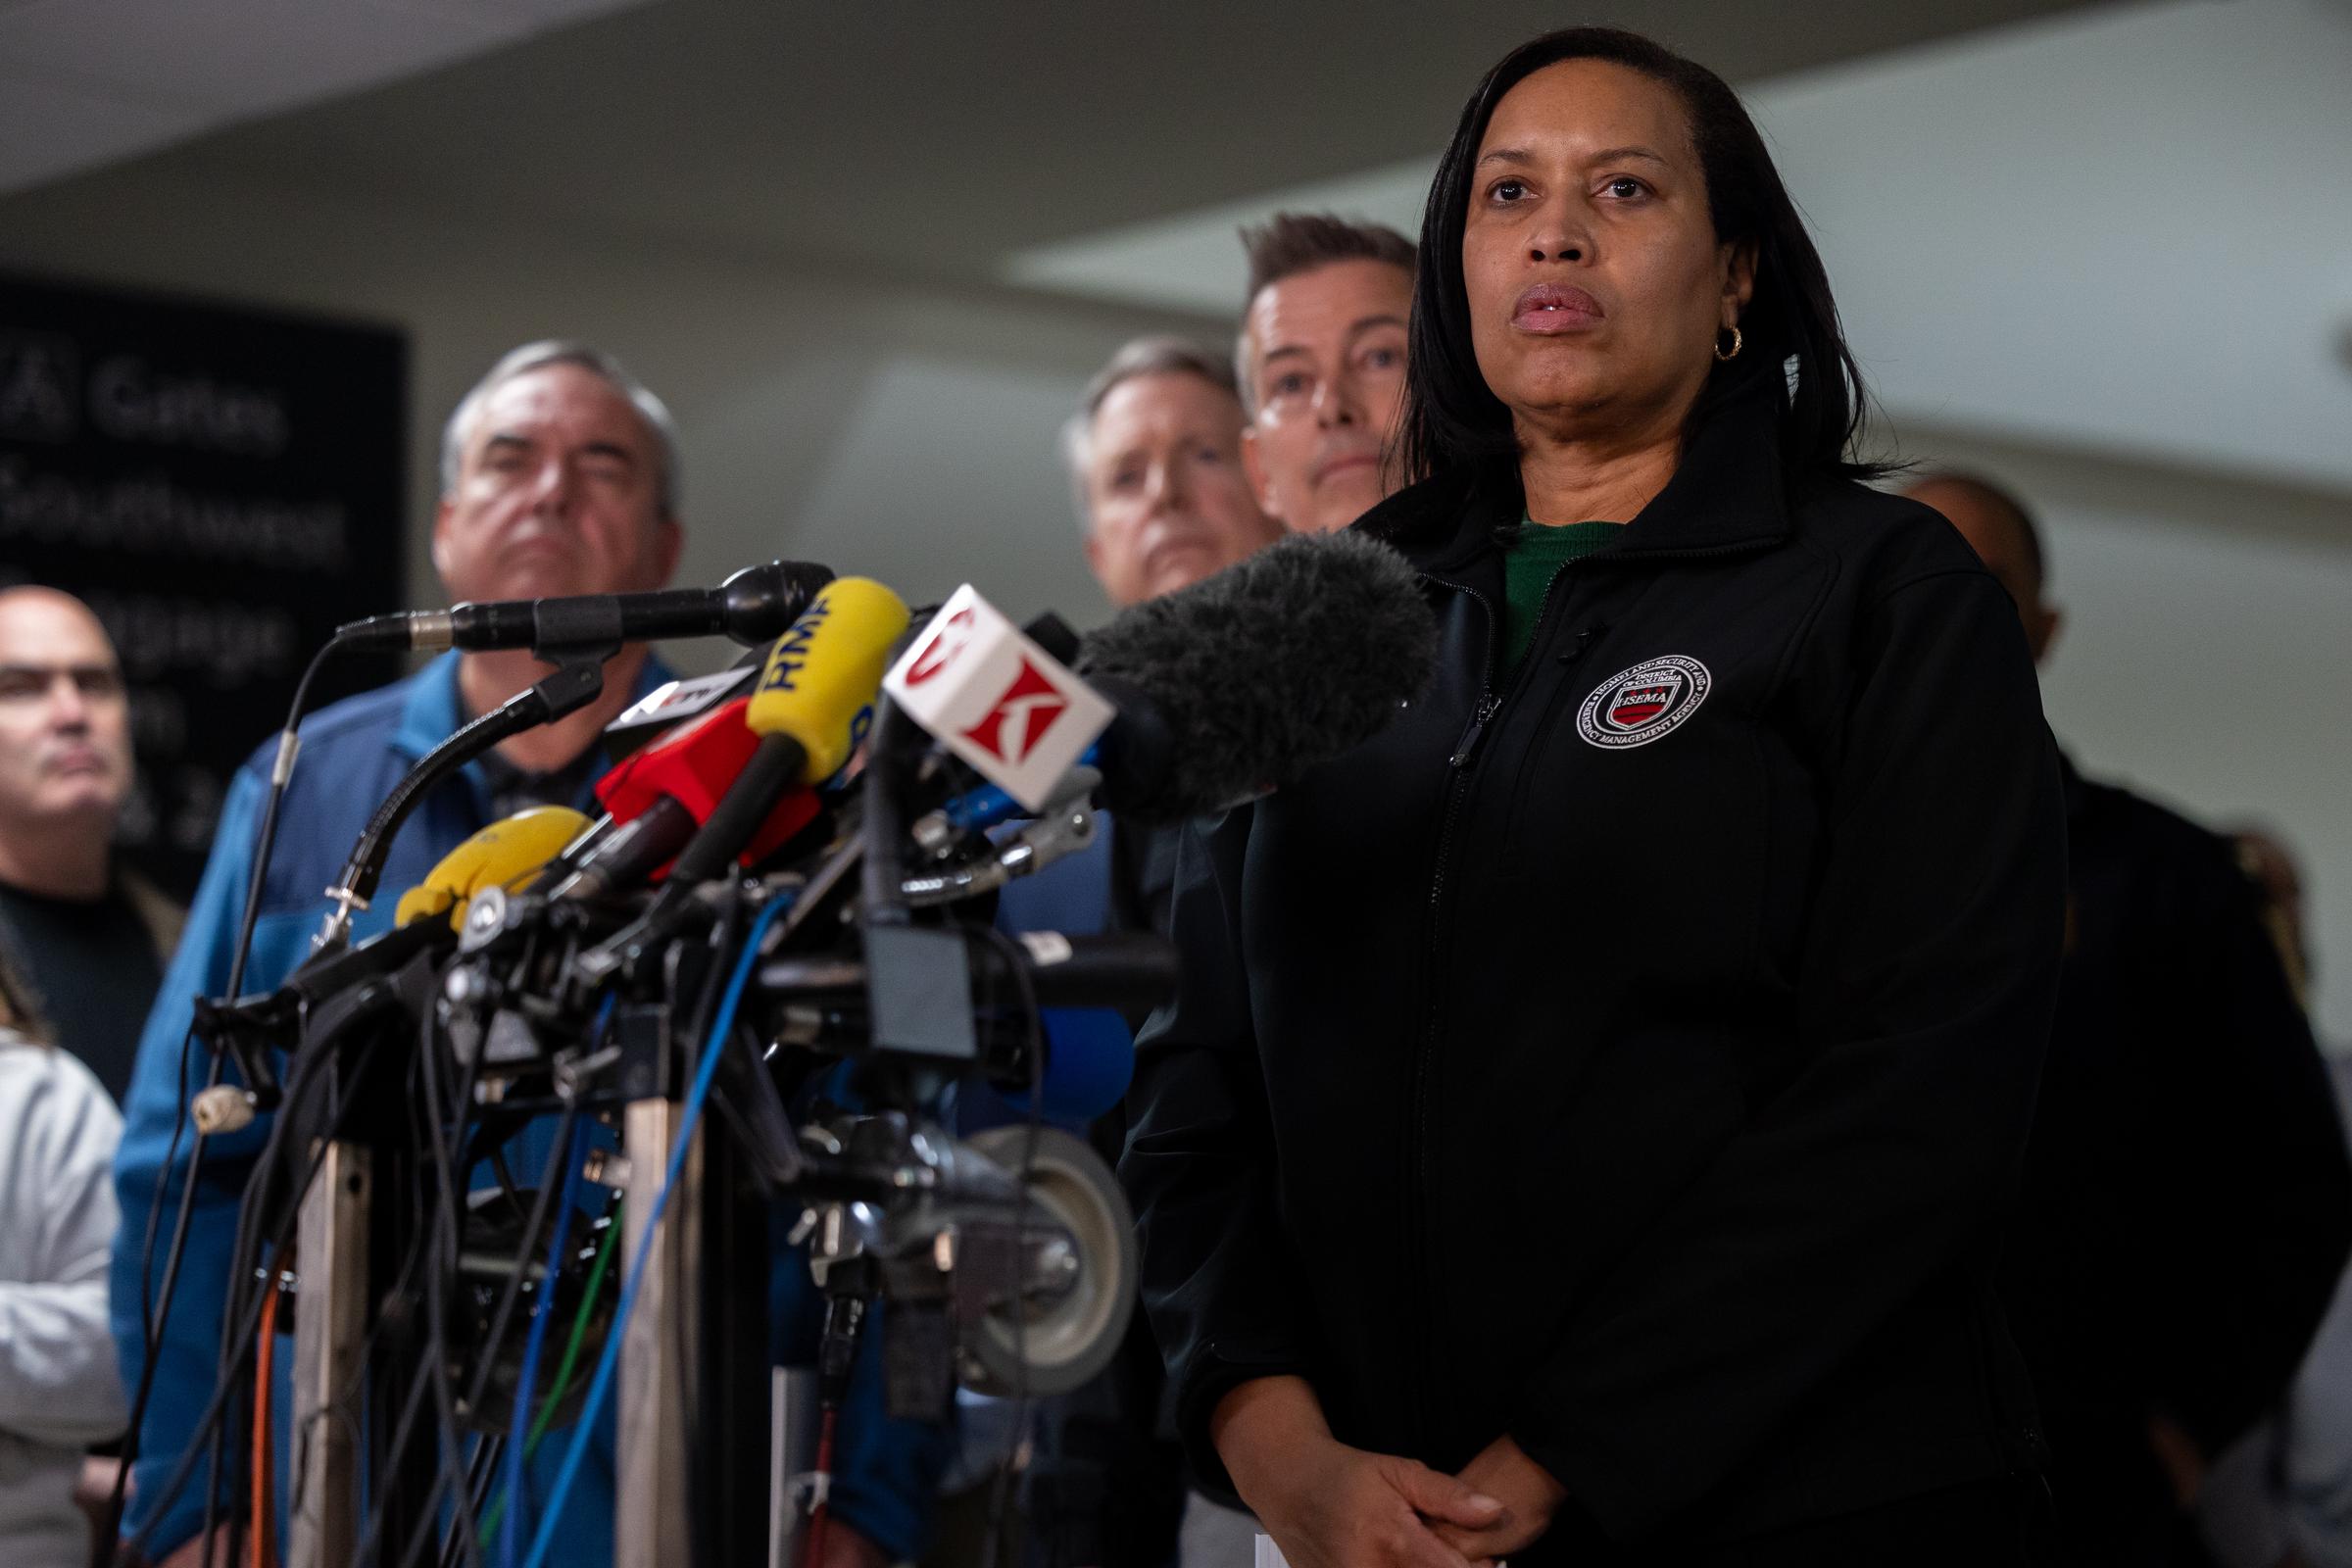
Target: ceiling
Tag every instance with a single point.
(2119, 227)
(86, 82)
(927, 135)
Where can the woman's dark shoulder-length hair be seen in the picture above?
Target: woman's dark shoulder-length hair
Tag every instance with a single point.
(1453, 424)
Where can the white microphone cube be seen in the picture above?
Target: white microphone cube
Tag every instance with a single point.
(982, 689)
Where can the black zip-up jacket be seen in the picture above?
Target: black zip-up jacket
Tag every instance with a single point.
(1633, 1052)
(2187, 1207)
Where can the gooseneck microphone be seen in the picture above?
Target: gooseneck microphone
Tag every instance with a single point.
(1245, 679)
(753, 605)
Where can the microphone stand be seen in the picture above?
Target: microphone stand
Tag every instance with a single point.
(577, 680)
(341, 1242)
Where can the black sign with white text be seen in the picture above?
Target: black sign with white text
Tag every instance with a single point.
(223, 486)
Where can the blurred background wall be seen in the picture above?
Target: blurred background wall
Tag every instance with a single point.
(870, 254)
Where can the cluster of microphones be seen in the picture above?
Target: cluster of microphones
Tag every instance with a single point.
(783, 912)
(1179, 706)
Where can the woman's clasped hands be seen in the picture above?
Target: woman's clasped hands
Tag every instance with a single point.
(1330, 1505)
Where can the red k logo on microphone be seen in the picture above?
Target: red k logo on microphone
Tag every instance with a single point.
(1003, 704)
(953, 634)
(1020, 719)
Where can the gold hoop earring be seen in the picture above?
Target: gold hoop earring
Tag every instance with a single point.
(1734, 353)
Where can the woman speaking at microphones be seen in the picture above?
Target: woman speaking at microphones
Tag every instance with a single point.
(1585, 1127)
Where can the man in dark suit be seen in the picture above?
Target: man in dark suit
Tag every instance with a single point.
(2187, 1201)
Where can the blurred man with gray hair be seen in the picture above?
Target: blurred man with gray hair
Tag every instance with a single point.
(1154, 457)
(560, 475)
(1155, 452)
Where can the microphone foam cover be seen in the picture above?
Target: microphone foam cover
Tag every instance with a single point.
(1265, 669)
(822, 673)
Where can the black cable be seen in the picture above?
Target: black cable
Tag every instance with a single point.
(576, 681)
(421, 1113)
(225, 1387)
(449, 1219)
(378, 1513)
(497, 1158)
(482, 1475)
(155, 1306)
(413, 1405)
(244, 1265)
(339, 1403)
(723, 937)
(431, 1369)
(1001, 1494)
(543, 1204)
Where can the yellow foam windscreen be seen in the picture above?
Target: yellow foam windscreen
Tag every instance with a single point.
(822, 674)
(507, 852)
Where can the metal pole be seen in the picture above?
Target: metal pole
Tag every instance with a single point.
(329, 1329)
(657, 1348)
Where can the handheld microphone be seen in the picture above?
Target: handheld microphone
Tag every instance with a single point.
(660, 713)
(751, 607)
(811, 708)
(659, 796)
(507, 854)
(1247, 678)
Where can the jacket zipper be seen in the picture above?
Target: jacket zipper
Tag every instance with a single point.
(1465, 750)
(1457, 787)
(1460, 763)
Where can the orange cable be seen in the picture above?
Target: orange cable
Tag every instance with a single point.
(264, 1553)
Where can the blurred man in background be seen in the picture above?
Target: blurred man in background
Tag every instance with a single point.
(2187, 1201)
(1154, 457)
(58, 1391)
(1321, 363)
(560, 475)
(2282, 1496)
(1154, 454)
(82, 939)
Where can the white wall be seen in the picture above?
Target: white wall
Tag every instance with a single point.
(2206, 656)
(2127, 227)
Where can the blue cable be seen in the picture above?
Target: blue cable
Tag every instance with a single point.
(984, 804)
(508, 1533)
(608, 1363)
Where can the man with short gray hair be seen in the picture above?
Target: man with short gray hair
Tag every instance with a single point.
(1155, 452)
(1154, 455)
(559, 476)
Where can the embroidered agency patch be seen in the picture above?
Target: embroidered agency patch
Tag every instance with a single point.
(1644, 702)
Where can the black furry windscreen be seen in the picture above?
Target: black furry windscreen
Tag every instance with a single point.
(1281, 662)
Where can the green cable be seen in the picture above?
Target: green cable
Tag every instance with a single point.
(563, 1368)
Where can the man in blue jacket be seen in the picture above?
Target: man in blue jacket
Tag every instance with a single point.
(560, 475)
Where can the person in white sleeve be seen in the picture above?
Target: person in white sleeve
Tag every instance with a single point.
(59, 1392)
